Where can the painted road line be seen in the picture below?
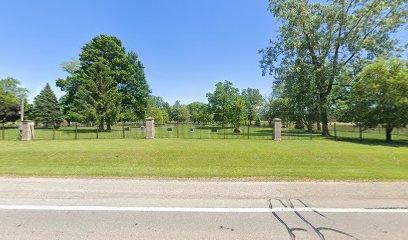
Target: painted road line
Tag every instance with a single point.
(201, 210)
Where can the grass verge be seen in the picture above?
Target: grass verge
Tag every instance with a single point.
(190, 158)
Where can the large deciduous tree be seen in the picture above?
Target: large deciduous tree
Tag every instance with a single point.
(179, 112)
(199, 112)
(381, 95)
(253, 100)
(226, 104)
(11, 95)
(333, 39)
(46, 109)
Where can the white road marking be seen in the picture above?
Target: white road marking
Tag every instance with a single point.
(201, 210)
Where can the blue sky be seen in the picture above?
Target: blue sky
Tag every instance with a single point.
(186, 45)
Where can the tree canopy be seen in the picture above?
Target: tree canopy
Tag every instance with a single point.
(253, 100)
(226, 104)
(380, 96)
(11, 95)
(333, 39)
(108, 84)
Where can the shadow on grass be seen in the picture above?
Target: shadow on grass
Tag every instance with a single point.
(373, 142)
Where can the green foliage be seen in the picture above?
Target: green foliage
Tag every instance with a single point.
(253, 100)
(46, 108)
(107, 85)
(199, 112)
(275, 108)
(69, 85)
(333, 40)
(11, 95)
(160, 115)
(179, 112)
(226, 104)
(380, 97)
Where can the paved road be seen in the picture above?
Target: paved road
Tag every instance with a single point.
(56, 208)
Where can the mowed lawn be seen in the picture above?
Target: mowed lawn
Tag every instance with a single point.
(195, 158)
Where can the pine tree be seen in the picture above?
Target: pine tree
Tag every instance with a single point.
(46, 108)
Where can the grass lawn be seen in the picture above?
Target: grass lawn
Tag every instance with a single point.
(191, 158)
(205, 158)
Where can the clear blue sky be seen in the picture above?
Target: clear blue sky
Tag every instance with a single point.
(186, 45)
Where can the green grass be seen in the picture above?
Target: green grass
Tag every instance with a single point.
(192, 158)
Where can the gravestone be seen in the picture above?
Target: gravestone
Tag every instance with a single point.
(150, 131)
(142, 128)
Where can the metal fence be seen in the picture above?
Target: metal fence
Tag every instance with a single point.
(338, 131)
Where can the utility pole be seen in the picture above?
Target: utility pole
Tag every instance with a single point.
(22, 110)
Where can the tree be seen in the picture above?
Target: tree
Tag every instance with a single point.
(380, 97)
(333, 39)
(158, 109)
(226, 104)
(160, 115)
(199, 112)
(69, 85)
(11, 95)
(253, 100)
(274, 108)
(105, 72)
(179, 112)
(46, 108)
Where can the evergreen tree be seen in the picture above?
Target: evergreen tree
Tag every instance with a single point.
(46, 108)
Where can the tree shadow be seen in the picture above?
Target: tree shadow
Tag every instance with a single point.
(371, 142)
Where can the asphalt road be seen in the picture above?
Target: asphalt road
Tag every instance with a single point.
(57, 208)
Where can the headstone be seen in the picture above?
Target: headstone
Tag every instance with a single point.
(214, 130)
(27, 130)
(169, 129)
(277, 125)
(150, 128)
(142, 128)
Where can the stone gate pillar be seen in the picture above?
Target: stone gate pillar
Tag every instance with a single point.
(150, 128)
(27, 130)
(277, 125)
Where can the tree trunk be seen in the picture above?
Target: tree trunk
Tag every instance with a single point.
(250, 122)
(108, 126)
(101, 126)
(325, 124)
(309, 127)
(388, 132)
(319, 127)
(270, 123)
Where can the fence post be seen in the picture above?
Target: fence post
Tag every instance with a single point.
(97, 132)
(335, 132)
(3, 131)
(123, 129)
(76, 131)
(178, 126)
(360, 132)
(53, 132)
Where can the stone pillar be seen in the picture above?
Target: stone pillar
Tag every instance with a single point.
(150, 128)
(277, 125)
(27, 130)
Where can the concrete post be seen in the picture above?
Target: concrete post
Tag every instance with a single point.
(27, 133)
(150, 128)
(277, 124)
